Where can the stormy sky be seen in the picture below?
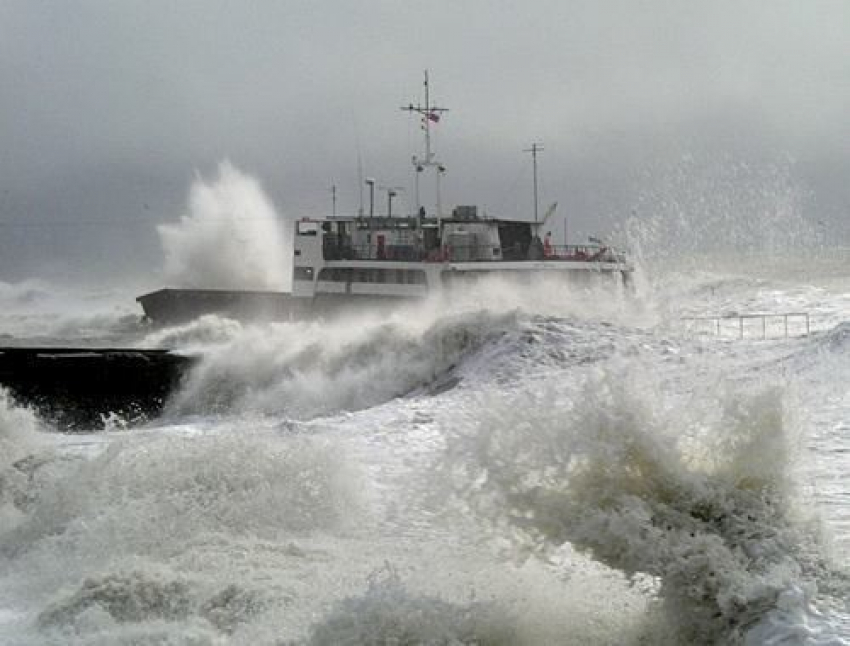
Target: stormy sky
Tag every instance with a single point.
(109, 110)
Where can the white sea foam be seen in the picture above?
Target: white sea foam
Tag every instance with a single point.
(232, 238)
(36, 312)
(136, 492)
(650, 452)
(19, 430)
(20, 444)
(389, 614)
(709, 511)
(359, 359)
(318, 368)
(198, 335)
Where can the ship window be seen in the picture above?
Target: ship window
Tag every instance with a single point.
(335, 274)
(308, 228)
(373, 275)
(416, 277)
(303, 273)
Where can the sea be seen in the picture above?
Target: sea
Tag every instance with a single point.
(533, 465)
(530, 464)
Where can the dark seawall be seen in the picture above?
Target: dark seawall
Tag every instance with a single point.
(77, 388)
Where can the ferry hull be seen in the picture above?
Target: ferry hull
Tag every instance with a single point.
(169, 306)
(180, 305)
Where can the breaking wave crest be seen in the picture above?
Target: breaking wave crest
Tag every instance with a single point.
(835, 340)
(709, 509)
(310, 369)
(188, 488)
(19, 442)
(195, 336)
(388, 614)
(18, 430)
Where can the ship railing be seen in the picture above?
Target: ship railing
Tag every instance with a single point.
(758, 325)
(582, 253)
(470, 253)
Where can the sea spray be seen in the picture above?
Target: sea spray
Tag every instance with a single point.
(387, 613)
(19, 430)
(119, 541)
(707, 510)
(232, 238)
(198, 335)
(307, 369)
(146, 602)
(37, 312)
(23, 294)
(20, 454)
(730, 216)
(354, 360)
(136, 492)
(708, 212)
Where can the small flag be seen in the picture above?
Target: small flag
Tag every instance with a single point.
(434, 116)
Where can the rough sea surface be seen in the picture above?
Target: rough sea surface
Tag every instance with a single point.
(518, 466)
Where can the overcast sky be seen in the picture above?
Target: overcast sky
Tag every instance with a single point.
(109, 109)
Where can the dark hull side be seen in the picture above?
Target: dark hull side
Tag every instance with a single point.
(169, 306)
(180, 305)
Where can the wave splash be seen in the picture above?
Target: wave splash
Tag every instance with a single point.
(149, 606)
(318, 368)
(231, 238)
(20, 444)
(239, 484)
(709, 511)
(37, 312)
(388, 614)
(361, 359)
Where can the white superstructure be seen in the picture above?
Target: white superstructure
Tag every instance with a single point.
(368, 258)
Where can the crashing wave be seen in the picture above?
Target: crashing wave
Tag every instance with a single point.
(389, 614)
(710, 514)
(311, 369)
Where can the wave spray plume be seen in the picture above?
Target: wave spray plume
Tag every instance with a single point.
(231, 238)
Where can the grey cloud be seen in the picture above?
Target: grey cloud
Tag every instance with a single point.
(109, 108)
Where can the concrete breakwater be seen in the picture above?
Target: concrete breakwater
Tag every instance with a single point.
(82, 388)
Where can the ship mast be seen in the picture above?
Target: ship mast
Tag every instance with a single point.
(535, 148)
(430, 114)
(535, 247)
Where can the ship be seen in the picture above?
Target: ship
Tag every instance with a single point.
(348, 262)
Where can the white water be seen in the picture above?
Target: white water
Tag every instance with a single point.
(533, 466)
(232, 238)
(454, 476)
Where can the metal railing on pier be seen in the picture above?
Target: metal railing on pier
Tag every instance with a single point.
(765, 326)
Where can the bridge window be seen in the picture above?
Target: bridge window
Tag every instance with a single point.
(306, 228)
(373, 275)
